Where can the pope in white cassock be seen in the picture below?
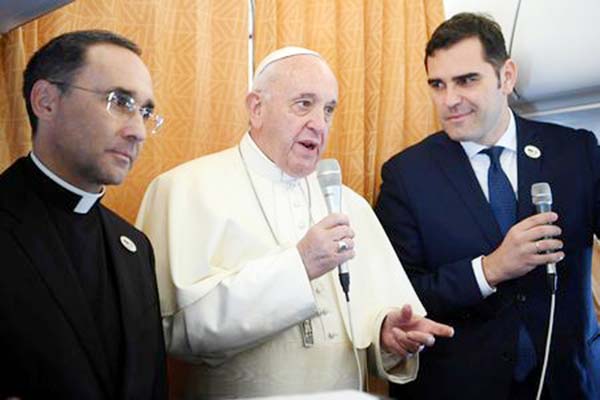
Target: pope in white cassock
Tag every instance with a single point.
(246, 256)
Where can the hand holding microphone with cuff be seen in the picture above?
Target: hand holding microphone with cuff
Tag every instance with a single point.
(531, 242)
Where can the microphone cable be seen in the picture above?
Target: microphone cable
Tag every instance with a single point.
(329, 175)
(541, 198)
(345, 284)
(354, 349)
(548, 337)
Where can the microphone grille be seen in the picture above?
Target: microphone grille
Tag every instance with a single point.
(541, 193)
(329, 172)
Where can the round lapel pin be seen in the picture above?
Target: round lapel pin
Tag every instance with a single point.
(128, 244)
(532, 151)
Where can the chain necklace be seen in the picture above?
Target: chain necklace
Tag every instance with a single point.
(262, 210)
(305, 326)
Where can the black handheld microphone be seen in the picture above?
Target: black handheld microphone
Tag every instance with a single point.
(329, 175)
(541, 197)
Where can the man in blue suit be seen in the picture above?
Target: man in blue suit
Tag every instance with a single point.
(458, 210)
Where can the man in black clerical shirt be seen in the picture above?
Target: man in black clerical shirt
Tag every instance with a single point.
(79, 315)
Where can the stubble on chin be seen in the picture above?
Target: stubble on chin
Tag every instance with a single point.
(113, 174)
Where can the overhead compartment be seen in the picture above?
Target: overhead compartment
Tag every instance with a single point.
(17, 12)
(557, 48)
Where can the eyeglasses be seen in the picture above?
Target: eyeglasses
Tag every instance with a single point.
(122, 105)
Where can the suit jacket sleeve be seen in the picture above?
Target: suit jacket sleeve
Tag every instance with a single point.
(594, 157)
(444, 289)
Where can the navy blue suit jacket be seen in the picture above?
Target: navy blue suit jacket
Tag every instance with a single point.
(438, 219)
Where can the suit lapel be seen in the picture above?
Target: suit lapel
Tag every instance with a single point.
(529, 168)
(455, 165)
(130, 286)
(49, 257)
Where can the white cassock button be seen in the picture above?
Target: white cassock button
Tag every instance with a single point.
(332, 335)
(128, 244)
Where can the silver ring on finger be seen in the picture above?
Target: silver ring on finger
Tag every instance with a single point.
(342, 246)
(537, 246)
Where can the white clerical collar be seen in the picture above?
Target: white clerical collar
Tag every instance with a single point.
(87, 200)
(508, 140)
(258, 162)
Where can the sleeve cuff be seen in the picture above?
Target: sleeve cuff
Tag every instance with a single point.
(484, 287)
(390, 366)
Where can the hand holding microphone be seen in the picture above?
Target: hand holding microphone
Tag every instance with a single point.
(330, 242)
(320, 247)
(528, 244)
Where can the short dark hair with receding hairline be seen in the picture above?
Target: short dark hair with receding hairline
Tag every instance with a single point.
(468, 25)
(61, 58)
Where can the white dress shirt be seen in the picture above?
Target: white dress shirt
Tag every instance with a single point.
(481, 163)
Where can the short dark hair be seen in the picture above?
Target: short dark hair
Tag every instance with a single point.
(61, 58)
(467, 25)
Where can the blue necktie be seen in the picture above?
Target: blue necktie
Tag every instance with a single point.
(502, 196)
(504, 206)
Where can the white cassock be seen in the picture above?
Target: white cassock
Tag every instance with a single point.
(234, 290)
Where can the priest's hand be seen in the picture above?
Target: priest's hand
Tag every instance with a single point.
(405, 334)
(326, 245)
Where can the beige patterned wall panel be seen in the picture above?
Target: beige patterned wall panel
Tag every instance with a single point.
(596, 277)
(376, 50)
(196, 51)
(197, 54)
(15, 136)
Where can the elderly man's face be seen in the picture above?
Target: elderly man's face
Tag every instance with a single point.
(91, 146)
(294, 112)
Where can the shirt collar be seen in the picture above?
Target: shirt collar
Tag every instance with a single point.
(508, 140)
(87, 199)
(257, 161)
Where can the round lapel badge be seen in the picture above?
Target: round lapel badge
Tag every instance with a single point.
(128, 244)
(532, 151)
